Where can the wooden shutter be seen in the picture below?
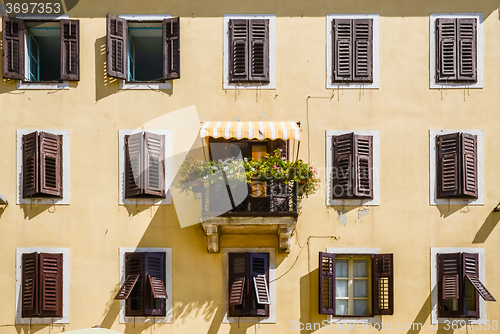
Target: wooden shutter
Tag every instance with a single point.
(467, 49)
(157, 287)
(70, 50)
(154, 164)
(133, 180)
(236, 291)
(363, 50)
(342, 50)
(383, 284)
(29, 287)
(469, 165)
(448, 165)
(127, 287)
(116, 47)
(155, 268)
(259, 269)
(238, 50)
(342, 166)
(51, 164)
(470, 267)
(259, 50)
(171, 49)
(449, 282)
(30, 164)
(446, 49)
(326, 285)
(134, 266)
(238, 285)
(51, 285)
(13, 48)
(363, 166)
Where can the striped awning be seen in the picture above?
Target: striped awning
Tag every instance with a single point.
(251, 130)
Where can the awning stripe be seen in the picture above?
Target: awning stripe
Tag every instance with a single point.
(251, 130)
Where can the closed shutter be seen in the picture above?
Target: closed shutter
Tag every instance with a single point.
(116, 47)
(342, 166)
(134, 266)
(30, 164)
(363, 166)
(470, 268)
(259, 50)
(155, 268)
(133, 180)
(383, 284)
(154, 164)
(238, 284)
(363, 50)
(469, 165)
(51, 282)
(448, 165)
(50, 164)
(259, 276)
(70, 50)
(326, 285)
(29, 287)
(342, 50)
(449, 282)
(467, 48)
(171, 49)
(238, 53)
(13, 48)
(446, 49)
(127, 286)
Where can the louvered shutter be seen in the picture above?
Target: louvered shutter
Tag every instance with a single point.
(383, 284)
(51, 164)
(469, 165)
(134, 151)
(30, 164)
(29, 287)
(448, 165)
(127, 287)
(259, 50)
(467, 49)
(326, 285)
(171, 49)
(238, 50)
(13, 48)
(363, 50)
(70, 50)
(342, 50)
(470, 262)
(238, 284)
(363, 166)
(155, 268)
(51, 285)
(259, 272)
(449, 281)
(134, 266)
(116, 47)
(470, 268)
(342, 166)
(154, 165)
(446, 49)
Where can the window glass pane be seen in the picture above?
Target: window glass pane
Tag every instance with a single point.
(360, 307)
(361, 288)
(470, 296)
(341, 288)
(341, 307)
(258, 151)
(360, 268)
(341, 267)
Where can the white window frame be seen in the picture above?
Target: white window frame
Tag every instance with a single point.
(272, 52)
(376, 168)
(123, 84)
(329, 52)
(65, 199)
(479, 37)
(354, 320)
(19, 280)
(167, 319)
(483, 319)
(480, 169)
(168, 168)
(272, 287)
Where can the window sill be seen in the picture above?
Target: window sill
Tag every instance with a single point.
(43, 85)
(352, 85)
(249, 85)
(146, 85)
(451, 85)
(354, 320)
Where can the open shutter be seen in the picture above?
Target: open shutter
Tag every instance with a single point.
(30, 164)
(70, 50)
(50, 164)
(154, 164)
(134, 148)
(171, 49)
(13, 48)
(469, 165)
(51, 284)
(363, 50)
(470, 268)
(238, 54)
(157, 287)
(363, 166)
(448, 165)
(259, 50)
(127, 287)
(134, 266)
(236, 290)
(259, 272)
(449, 282)
(29, 287)
(326, 285)
(342, 166)
(116, 47)
(155, 268)
(467, 49)
(446, 49)
(342, 50)
(383, 284)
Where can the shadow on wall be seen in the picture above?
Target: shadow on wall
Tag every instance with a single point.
(448, 210)
(33, 210)
(489, 224)
(104, 85)
(308, 284)
(421, 317)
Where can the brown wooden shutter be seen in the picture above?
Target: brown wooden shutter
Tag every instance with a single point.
(116, 47)
(238, 50)
(342, 50)
(449, 281)
(342, 166)
(238, 286)
(134, 151)
(259, 50)
(469, 165)
(326, 285)
(155, 268)
(51, 285)
(470, 267)
(446, 49)
(171, 49)
(383, 284)
(127, 286)
(154, 164)
(13, 48)
(363, 166)
(30, 165)
(134, 266)
(70, 50)
(448, 165)
(259, 268)
(51, 164)
(29, 287)
(236, 291)
(467, 49)
(157, 287)
(363, 50)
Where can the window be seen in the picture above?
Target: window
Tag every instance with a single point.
(358, 285)
(41, 51)
(143, 49)
(221, 148)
